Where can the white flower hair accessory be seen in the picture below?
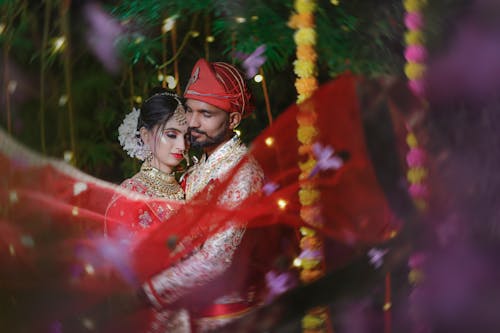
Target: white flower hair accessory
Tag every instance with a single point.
(129, 137)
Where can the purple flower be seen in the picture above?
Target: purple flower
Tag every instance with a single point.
(270, 188)
(252, 62)
(311, 254)
(377, 256)
(278, 283)
(325, 159)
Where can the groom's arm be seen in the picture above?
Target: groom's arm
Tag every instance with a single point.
(197, 278)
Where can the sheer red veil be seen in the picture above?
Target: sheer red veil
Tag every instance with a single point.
(53, 215)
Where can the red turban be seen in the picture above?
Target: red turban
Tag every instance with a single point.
(221, 85)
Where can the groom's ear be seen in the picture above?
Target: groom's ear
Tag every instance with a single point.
(234, 120)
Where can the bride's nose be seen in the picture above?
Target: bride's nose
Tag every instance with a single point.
(181, 146)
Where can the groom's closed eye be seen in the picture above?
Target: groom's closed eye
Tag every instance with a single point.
(206, 114)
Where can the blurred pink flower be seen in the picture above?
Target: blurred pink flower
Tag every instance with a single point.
(417, 260)
(419, 191)
(417, 87)
(416, 157)
(416, 53)
(102, 34)
(413, 20)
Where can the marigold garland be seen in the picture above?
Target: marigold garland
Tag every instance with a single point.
(305, 149)
(310, 263)
(306, 134)
(307, 166)
(305, 231)
(304, 68)
(307, 85)
(305, 118)
(307, 52)
(310, 243)
(311, 257)
(305, 36)
(301, 21)
(310, 275)
(305, 6)
(308, 197)
(313, 322)
(310, 214)
(305, 39)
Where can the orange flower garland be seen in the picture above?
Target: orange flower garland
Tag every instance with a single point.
(305, 39)
(310, 261)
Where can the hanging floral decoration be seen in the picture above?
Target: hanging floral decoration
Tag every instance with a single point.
(305, 39)
(416, 56)
(311, 259)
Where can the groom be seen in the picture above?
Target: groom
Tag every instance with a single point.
(216, 283)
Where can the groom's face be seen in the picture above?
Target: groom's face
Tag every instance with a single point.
(208, 125)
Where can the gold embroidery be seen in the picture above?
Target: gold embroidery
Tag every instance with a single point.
(215, 166)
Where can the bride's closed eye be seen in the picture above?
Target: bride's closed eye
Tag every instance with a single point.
(171, 134)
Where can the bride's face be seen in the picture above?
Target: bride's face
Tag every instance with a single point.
(168, 143)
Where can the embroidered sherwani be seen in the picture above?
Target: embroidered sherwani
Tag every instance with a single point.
(206, 280)
(127, 222)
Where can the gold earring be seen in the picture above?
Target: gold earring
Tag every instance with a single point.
(149, 158)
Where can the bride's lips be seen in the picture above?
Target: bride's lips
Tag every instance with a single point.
(178, 156)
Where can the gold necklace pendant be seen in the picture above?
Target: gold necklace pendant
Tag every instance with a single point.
(163, 185)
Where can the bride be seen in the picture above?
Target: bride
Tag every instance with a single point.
(155, 134)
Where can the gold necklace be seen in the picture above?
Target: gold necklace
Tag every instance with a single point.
(163, 185)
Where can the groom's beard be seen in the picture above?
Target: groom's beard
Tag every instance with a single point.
(209, 141)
